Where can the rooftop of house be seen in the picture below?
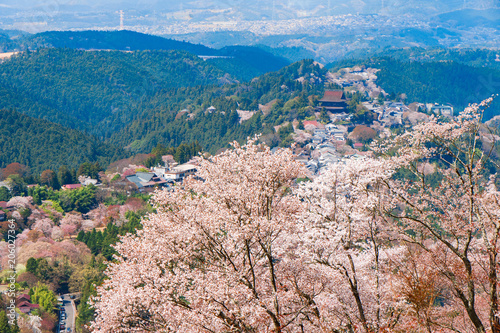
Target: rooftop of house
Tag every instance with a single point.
(312, 123)
(26, 307)
(72, 186)
(146, 179)
(145, 176)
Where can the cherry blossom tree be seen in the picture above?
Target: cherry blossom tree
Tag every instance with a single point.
(344, 233)
(44, 225)
(454, 213)
(213, 258)
(57, 234)
(21, 202)
(99, 214)
(71, 223)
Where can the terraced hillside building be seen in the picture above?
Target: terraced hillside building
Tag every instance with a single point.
(333, 101)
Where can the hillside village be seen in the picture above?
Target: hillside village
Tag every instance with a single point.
(332, 140)
(320, 142)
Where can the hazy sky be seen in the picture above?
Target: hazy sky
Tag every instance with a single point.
(174, 4)
(244, 9)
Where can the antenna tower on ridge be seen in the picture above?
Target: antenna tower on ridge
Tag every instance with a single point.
(121, 19)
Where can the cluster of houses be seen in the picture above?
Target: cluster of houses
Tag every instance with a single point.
(322, 150)
(163, 175)
(440, 109)
(324, 155)
(322, 133)
(325, 138)
(391, 113)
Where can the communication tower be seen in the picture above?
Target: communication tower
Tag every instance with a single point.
(121, 19)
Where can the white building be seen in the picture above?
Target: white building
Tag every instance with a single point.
(180, 172)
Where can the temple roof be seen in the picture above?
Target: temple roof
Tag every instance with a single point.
(333, 96)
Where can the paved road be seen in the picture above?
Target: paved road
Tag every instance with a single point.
(70, 310)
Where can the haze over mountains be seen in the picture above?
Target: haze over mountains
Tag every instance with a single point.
(325, 30)
(259, 9)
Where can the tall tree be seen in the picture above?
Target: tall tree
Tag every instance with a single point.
(64, 175)
(455, 219)
(13, 169)
(49, 178)
(345, 234)
(4, 193)
(17, 185)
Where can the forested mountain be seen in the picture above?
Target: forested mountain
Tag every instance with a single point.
(470, 57)
(440, 82)
(109, 40)
(138, 99)
(42, 145)
(214, 130)
(252, 61)
(134, 99)
(437, 76)
(81, 89)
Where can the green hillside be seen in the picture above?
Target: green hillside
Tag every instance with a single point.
(81, 89)
(215, 130)
(42, 145)
(440, 82)
(134, 99)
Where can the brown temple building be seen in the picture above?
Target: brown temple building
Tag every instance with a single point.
(333, 101)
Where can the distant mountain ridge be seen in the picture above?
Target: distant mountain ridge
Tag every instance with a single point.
(252, 60)
(123, 40)
(469, 18)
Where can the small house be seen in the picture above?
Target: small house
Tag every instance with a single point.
(23, 298)
(146, 180)
(180, 172)
(26, 307)
(5, 205)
